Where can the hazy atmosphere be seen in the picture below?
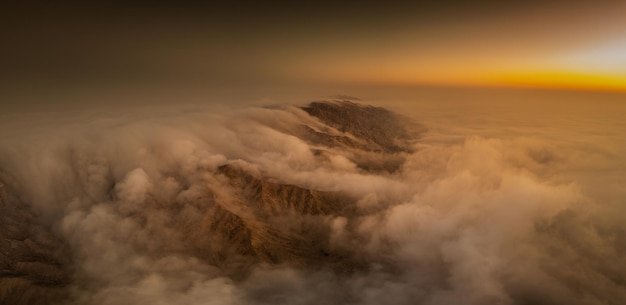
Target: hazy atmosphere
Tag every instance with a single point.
(327, 153)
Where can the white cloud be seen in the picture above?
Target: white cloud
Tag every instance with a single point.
(483, 221)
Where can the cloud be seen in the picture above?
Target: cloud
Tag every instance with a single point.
(485, 220)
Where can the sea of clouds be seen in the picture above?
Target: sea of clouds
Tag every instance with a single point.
(477, 221)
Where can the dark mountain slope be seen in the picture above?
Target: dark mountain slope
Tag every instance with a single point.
(374, 138)
(261, 221)
(377, 129)
(33, 262)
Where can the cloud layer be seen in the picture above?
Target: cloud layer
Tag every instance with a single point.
(481, 221)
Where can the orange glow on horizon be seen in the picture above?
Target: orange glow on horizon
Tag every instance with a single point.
(538, 80)
(563, 80)
(465, 72)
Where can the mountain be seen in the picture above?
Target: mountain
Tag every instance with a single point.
(374, 138)
(275, 222)
(263, 220)
(33, 262)
(372, 128)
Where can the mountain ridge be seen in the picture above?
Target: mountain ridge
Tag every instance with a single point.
(263, 220)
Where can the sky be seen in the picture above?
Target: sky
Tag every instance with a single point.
(548, 44)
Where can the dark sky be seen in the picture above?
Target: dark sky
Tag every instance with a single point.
(239, 43)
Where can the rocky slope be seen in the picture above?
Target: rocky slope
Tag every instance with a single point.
(33, 262)
(374, 138)
(279, 223)
(263, 220)
(372, 128)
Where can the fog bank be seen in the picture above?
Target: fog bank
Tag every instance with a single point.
(469, 216)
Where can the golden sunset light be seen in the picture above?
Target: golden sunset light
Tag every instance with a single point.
(445, 152)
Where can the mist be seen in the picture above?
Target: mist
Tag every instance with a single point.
(492, 203)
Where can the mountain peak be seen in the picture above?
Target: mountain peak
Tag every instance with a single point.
(380, 129)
